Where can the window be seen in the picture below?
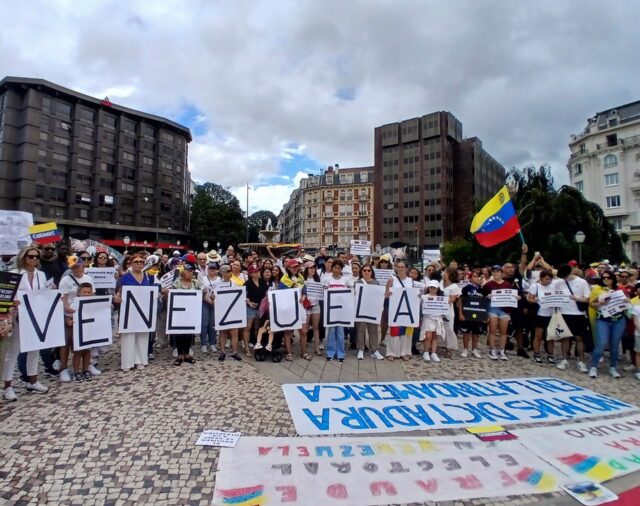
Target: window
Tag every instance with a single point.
(60, 158)
(613, 201)
(364, 177)
(46, 105)
(87, 115)
(166, 165)
(166, 136)
(57, 194)
(109, 121)
(61, 140)
(42, 153)
(106, 200)
(63, 109)
(329, 178)
(148, 145)
(147, 160)
(129, 126)
(109, 136)
(617, 224)
(44, 136)
(577, 169)
(127, 187)
(610, 161)
(148, 131)
(83, 180)
(107, 167)
(611, 179)
(129, 156)
(40, 191)
(166, 150)
(85, 145)
(580, 186)
(84, 161)
(128, 173)
(110, 152)
(148, 190)
(128, 141)
(83, 198)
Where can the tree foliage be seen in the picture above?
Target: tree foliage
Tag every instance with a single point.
(258, 221)
(549, 219)
(216, 216)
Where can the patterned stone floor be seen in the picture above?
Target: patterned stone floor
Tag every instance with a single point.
(128, 438)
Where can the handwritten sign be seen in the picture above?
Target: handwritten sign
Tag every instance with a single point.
(435, 305)
(504, 298)
(218, 438)
(102, 277)
(361, 248)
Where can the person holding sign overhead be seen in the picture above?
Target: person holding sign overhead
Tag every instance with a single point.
(498, 316)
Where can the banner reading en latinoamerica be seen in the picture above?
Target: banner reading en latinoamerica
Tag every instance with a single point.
(361, 471)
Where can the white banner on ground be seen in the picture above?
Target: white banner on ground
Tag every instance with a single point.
(550, 298)
(102, 277)
(138, 309)
(92, 322)
(14, 231)
(315, 290)
(361, 248)
(369, 302)
(596, 451)
(383, 274)
(431, 255)
(504, 298)
(338, 307)
(230, 308)
(435, 305)
(377, 470)
(404, 307)
(360, 408)
(183, 308)
(285, 310)
(41, 320)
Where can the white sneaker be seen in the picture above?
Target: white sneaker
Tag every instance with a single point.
(637, 376)
(64, 376)
(37, 388)
(258, 346)
(502, 355)
(493, 355)
(228, 345)
(213, 348)
(377, 355)
(476, 354)
(593, 372)
(563, 364)
(191, 352)
(203, 348)
(360, 354)
(175, 353)
(435, 358)
(94, 371)
(57, 365)
(464, 353)
(629, 367)
(9, 394)
(614, 372)
(582, 367)
(268, 347)
(426, 357)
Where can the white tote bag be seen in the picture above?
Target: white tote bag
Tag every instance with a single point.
(557, 328)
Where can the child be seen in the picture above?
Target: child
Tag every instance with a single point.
(432, 327)
(265, 329)
(335, 335)
(470, 329)
(81, 359)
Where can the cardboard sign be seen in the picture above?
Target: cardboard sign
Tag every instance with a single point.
(404, 307)
(504, 298)
(14, 231)
(285, 310)
(230, 308)
(92, 322)
(41, 320)
(9, 282)
(138, 309)
(360, 248)
(369, 303)
(45, 233)
(435, 305)
(338, 307)
(182, 306)
(474, 308)
(102, 277)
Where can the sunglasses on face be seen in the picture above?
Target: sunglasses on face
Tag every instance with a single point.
(49, 249)
(366, 270)
(33, 257)
(604, 278)
(138, 262)
(85, 258)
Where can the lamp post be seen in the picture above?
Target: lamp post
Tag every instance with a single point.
(218, 247)
(205, 245)
(145, 244)
(126, 242)
(580, 237)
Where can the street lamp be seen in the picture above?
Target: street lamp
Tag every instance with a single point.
(126, 242)
(580, 237)
(205, 245)
(218, 246)
(145, 245)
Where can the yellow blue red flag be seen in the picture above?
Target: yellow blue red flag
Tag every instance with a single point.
(496, 221)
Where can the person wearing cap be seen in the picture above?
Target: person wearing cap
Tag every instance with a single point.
(231, 334)
(175, 253)
(498, 316)
(187, 280)
(256, 291)
(519, 315)
(432, 327)
(208, 336)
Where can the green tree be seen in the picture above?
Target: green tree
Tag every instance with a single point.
(258, 221)
(216, 216)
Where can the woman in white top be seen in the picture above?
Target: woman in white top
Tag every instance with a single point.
(452, 291)
(543, 316)
(399, 341)
(27, 262)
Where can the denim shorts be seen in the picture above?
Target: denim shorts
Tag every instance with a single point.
(251, 313)
(498, 312)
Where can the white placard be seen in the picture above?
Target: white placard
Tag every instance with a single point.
(230, 308)
(182, 308)
(404, 307)
(616, 304)
(505, 297)
(360, 248)
(14, 231)
(550, 298)
(102, 277)
(315, 290)
(338, 307)
(590, 493)
(431, 255)
(435, 305)
(218, 438)
(369, 302)
(138, 309)
(285, 310)
(167, 280)
(41, 320)
(92, 322)
(383, 274)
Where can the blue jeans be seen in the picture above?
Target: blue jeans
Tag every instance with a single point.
(608, 332)
(208, 335)
(335, 342)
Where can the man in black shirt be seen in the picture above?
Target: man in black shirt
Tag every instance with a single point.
(54, 266)
(518, 315)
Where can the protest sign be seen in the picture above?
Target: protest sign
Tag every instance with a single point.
(404, 307)
(504, 298)
(360, 248)
(615, 304)
(285, 310)
(218, 438)
(102, 277)
(92, 322)
(369, 302)
(14, 231)
(138, 309)
(183, 309)
(430, 255)
(474, 308)
(435, 305)
(167, 280)
(377, 470)
(383, 274)
(338, 307)
(358, 408)
(590, 493)
(230, 308)
(597, 451)
(41, 320)
(315, 290)
(45, 233)
(9, 282)
(549, 298)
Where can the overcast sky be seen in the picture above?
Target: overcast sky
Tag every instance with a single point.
(275, 89)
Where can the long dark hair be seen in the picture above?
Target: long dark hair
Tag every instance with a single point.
(305, 274)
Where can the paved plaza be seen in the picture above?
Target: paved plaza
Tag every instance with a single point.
(127, 438)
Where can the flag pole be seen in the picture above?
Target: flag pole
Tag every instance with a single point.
(522, 237)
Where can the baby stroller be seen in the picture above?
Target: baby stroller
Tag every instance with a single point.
(263, 348)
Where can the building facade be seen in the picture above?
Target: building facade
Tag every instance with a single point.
(429, 180)
(101, 171)
(330, 209)
(605, 166)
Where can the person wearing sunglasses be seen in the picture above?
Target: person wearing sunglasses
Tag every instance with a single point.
(27, 262)
(384, 263)
(363, 329)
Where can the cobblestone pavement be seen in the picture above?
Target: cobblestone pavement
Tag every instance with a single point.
(128, 438)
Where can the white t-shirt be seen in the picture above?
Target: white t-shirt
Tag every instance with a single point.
(331, 282)
(69, 286)
(536, 289)
(452, 290)
(579, 287)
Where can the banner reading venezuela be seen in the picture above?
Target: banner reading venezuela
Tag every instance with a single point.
(497, 221)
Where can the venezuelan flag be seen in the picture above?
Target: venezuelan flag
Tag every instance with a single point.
(497, 221)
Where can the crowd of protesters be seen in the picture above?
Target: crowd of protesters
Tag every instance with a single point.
(523, 329)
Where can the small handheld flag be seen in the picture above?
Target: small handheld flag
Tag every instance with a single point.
(44, 233)
(496, 222)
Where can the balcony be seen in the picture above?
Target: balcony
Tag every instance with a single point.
(629, 142)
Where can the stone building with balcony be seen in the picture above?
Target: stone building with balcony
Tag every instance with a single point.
(605, 166)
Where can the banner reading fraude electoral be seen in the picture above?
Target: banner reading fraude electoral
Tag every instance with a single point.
(358, 408)
(377, 470)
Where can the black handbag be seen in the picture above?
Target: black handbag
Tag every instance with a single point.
(582, 306)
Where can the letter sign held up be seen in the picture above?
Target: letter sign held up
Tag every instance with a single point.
(285, 310)
(369, 303)
(92, 322)
(138, 309)
(41, 320)
(183, 309)
(404, 307)
(338, 307)
(231, 308)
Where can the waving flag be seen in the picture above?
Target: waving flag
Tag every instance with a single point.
(497, 221)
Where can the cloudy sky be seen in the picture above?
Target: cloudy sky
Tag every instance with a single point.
(273, 90)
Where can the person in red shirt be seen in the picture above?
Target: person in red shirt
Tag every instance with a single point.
(498, 316)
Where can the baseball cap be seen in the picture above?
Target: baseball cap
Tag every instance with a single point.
(252, 268)
(573, 263)
(433, 284)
